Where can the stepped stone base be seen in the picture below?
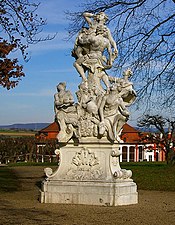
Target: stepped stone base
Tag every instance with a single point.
(90, 193)
(89, 173)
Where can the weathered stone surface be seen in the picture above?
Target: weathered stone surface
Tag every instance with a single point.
(89, 173)
(89, 137)
(101, 110)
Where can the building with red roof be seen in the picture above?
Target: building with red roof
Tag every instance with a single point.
(49, 132)
(134, 149)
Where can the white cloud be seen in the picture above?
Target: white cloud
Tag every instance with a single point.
(58, 43)
(50, 71)
(41, 93)
(49, 46)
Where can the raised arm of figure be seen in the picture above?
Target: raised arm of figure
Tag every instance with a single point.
(88, 17)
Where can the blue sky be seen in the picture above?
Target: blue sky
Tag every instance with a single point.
(51, 62)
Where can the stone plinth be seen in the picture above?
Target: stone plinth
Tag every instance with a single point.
(89, 173)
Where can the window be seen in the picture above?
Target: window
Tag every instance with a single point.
(140, 153)
(131, 153)
(124, 154)
(150, 158)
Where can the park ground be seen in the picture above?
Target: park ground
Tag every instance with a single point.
(19, 205)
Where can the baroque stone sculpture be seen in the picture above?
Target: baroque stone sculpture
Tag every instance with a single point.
(102, 104)
(89, 136)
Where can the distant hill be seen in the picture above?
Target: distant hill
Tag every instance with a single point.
(151, 129)
(25, 126)
(39, 126)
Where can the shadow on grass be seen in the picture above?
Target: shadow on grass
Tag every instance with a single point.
(9, 182)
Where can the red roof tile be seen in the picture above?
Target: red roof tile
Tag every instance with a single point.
(128, 129)
(129, 133)
(53, 127)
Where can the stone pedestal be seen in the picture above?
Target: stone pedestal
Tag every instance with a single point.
(89, 173)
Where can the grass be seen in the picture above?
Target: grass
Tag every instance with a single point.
(32, 164)
(148, 175)
(17, 133)
(152, 175)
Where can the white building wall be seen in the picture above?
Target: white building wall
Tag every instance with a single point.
(136, 152)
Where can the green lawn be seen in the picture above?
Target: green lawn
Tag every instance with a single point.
(45, 164)
(152, 175)
(147, 175)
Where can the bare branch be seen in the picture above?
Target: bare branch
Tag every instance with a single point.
(145, 34)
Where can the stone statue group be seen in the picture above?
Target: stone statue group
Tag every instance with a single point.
(101, 110)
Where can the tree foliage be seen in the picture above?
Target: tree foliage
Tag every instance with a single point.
(145, 35)
(10, 71)
(163, 138)
(20, 26)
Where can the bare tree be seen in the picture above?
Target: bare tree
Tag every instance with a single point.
(145, 34)
(163, 138)
(20, 26)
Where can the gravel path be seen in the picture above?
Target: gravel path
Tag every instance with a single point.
(23, 208)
